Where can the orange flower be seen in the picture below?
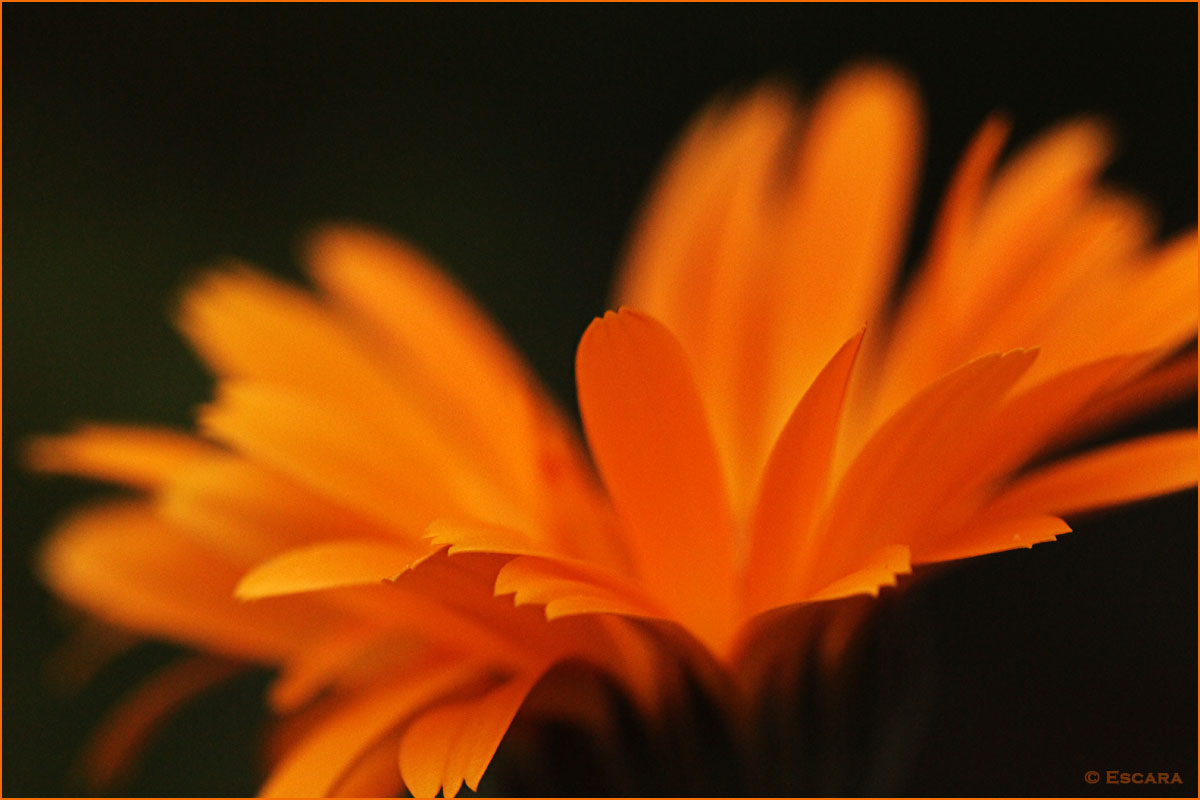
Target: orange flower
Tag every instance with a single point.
(383, 505)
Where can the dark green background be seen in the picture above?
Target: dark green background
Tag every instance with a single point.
(514, 143)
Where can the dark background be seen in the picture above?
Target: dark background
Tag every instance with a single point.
(514, 143)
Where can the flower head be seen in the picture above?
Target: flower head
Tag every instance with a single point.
(383, 505)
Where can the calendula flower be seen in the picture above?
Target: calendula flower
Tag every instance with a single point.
(384, 506)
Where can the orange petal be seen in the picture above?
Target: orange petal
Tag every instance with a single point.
(900, 478)
(127, 567)
(450, 357)
(314, 766)
(1023, 426)
(732, 247)
(543, 577)
(454, 743)
(845, 225)
(467, 536)
(999, 243)
(375, 774)
(795, 482)
(1035, 195)
(879, 569)
(989, 535)
(1120, 473)
(376, 469)
(327, 565)
(710, 235)
(1148, 306)
(567, 588)
(317, 667)
(1164, 384)
(672, 258)
(1033, 418)
(650, 438)
(123, 734)
(251, 512)
(451, 600)
(1107, 236)
(262, 332)
(914, 350)
(144, 458)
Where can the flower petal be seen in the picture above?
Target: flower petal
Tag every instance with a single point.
(648, 433)
(1148, 306)
(433, 336)
(368, 465)
(567, 588)
(454, 743)
(126, 566)
(329, 659)
(795, 483)
(1165, 383)
(900, 478)
(251, 512)
(374, 774)
(990, 535)
(327, 565)
(144, 458)
(124, 733)
(698, 264)
(986, 246)
(879, 569)
(313, 766)
(1119, 473)
(845, 224)
(733, 247)
(260, 332)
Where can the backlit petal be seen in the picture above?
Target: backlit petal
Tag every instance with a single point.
(989, 535)
(648, 433)
(901, 476)
(126, 566)
(327, 565)
(143, 458)
(795, 483)
(313, 766)
(453, 743)
(1119, 473)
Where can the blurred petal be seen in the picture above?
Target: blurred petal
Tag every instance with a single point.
(375, 774)
(269, 335)
(453, 743)
(1119, 473)
(349, 459)
(987, 247)
(313, 766)
(124, 733)
(144, 458)
(451, 358)
(126, 566)
(699, 260)
(1162, 385)
(251, 512)
(844, 226)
